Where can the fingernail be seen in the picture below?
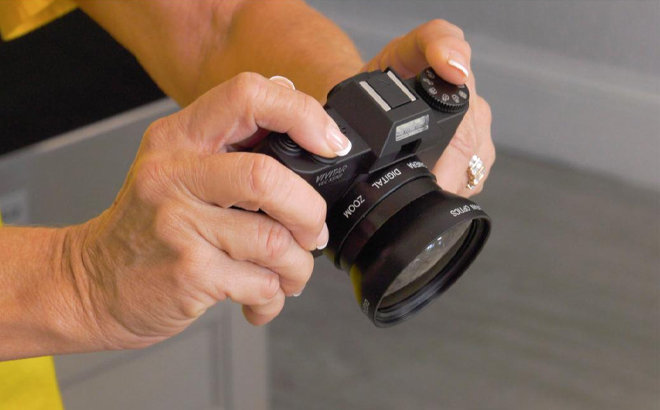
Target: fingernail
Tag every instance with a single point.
(338, 141)
(324, 237)
(457, 61)
(283, 81)
(295, 295)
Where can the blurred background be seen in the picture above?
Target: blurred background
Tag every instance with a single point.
(561, 311)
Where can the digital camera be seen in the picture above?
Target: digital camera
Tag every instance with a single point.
(400, 237)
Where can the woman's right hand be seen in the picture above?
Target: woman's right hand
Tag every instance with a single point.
(174, 243)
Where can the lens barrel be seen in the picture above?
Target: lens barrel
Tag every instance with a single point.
(399, 221)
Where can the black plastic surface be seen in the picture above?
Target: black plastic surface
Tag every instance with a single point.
(388, 90)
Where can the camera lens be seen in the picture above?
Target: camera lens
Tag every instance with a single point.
(426, 265)
(406, 243)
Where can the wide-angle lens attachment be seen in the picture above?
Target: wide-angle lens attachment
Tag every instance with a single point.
(406, 242)
(420, 271)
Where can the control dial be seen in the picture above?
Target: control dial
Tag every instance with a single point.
(439, 94)
(288, 145)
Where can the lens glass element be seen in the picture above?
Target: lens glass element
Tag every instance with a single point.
(426, 265)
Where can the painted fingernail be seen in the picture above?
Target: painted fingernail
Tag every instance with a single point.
(457, 61)
(295, 295)
(338, 141)
(283, 81)
(324, 237)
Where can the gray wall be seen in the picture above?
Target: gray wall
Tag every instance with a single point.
(560, 311)
(572, 82)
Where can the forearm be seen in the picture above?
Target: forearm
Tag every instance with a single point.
(190, 46)
(286, 38)
(40, 310)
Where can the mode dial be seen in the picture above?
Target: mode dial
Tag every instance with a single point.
(440, 94)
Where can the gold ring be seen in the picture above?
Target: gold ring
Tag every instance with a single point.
(476, 172)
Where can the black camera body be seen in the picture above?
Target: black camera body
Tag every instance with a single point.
(389, 121)
(380, 136)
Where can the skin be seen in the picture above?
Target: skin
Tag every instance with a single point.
(174, 243)
(434, 44)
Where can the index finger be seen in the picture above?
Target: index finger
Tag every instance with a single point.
(235, 110)
(258, 182)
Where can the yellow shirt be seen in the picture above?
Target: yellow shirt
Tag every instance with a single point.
(18, 17)
(29, 384)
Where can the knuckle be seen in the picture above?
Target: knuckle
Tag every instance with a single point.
(464, 148)
(248, 78)
(191, 295)
(318, 211)
(174, 129)
(300, 270)
(270, 287)
(278, 306)
(306, 105)
(191, 275)
(148, 177)
(244, 86)
(442, 24)
(172, 230)
(191, 308)
(275, 239)
(263, 177)
(484, 110)
(167, 131)
(464, 140)
(156, 130)
(194, 259)
(439, 23)
(307, 268)
(168, 222)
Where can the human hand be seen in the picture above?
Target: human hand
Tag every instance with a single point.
(442, 45)
(173, 243)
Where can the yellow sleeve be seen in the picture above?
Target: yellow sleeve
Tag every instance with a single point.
(18, 17)
(29, 384)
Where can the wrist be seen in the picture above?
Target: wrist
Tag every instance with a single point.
(40, 308)
(287, 38)
(80, 325)
(88, 317)
(59, 303)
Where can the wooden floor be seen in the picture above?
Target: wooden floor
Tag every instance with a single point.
(561, 311)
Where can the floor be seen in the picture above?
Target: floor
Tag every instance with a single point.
(561, 311)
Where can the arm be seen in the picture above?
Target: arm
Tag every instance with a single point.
(38, 298)
(95, 286)
(172, 244)
(190, 46)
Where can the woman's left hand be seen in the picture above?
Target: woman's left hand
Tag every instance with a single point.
(442, 45)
